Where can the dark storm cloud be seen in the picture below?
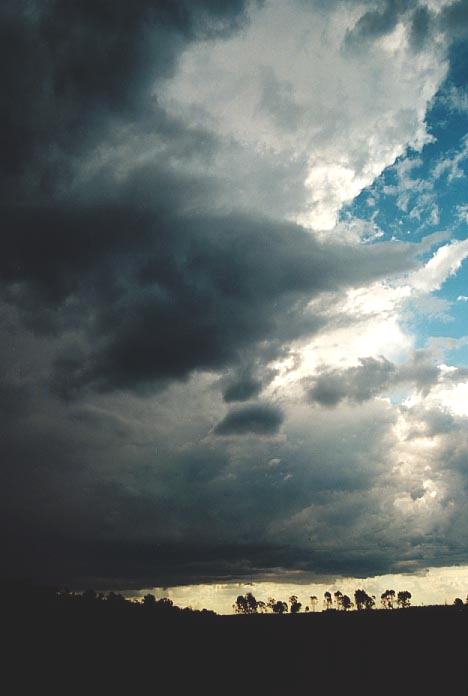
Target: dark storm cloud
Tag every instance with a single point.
(156, 297)
(166, 516)
(89, 498)
(90, 495)
(125, 565)
(153, 294)
(260, 419)
(73, 69)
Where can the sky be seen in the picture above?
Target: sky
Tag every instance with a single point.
(234, 296)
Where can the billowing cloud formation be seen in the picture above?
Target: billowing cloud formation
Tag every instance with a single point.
(171, 294)
(373, 376)
(356, 383)
(164, 298)
(311, 97)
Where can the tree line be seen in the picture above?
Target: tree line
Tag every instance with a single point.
(25, 594)
(148, 603)
(248, 604)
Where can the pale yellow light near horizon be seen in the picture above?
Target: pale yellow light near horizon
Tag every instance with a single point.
(431, 586)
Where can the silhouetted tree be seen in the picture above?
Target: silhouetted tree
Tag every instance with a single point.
(149, 601)
(363, 600)
(359, 599)
(115, 598)
(338, 598)
(278, 607)
(314, 601)
(246, 604)
(403, 599)
(89, 596)
(295, 607)
(116, 602)
(346, 602)
(388, 599)
(328, 602)
(458, 603)
(165, 604)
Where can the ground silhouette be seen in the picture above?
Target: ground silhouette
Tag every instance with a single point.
(90, 643)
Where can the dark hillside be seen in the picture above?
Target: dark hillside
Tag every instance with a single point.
(100, 647)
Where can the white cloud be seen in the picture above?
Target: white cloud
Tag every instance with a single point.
(444, 263)
(338, 116)
(453, 397)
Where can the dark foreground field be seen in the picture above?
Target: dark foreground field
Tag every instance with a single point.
(104, 649)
